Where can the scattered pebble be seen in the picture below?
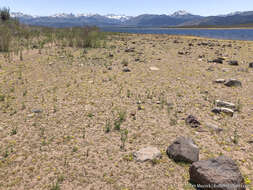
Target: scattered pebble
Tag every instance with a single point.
(154, 68)
(192, 121)
(234, 63)
(220, 81)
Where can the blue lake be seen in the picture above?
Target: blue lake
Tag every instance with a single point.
(232, 34)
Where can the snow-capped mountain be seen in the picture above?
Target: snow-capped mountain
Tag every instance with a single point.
(63, 15)
(178, 18)
(231, 14)
(118, 17)
(19, 14)
(180, 13)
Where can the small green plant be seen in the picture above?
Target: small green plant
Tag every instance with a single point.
(236, 137)
(90, 115)
(169, 108)
(155, 161)
(128, 93)
(117, 125)
(6, 153)
(60, 178)
(121, 118)
(56, 186)
(173, 121)
(123, 138)
(84, 133)
(25, 93)
(14, 131)
(23, 106)
(128, 157)
(75, 149)
(107, 127)
(239, 106)
(2, 98)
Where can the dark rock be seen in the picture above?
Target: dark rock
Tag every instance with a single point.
(36, 110)
(129, 50)
(234, 62)
(203, 44)
(183, 150)
(233, 82)
(126, 70)
(192, 121)
(110, 55)
(251, 65)
(220, 173)
(218, 60)
(109, 68)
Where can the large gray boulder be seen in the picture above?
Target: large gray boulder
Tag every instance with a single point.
(183, 150)
(220, 173)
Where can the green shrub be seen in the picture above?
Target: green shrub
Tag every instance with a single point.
(5, 39)
(5, 14)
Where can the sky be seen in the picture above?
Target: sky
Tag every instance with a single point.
(127, 7)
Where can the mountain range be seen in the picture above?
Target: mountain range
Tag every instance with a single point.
(179, 18)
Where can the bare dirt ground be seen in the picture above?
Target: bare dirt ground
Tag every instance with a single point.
(59, 110)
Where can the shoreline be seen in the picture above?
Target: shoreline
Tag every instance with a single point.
(200, 32)
(183, 36)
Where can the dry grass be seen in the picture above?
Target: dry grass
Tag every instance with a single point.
(75, 143)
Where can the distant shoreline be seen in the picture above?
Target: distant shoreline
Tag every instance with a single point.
(185, 27)
(242, 34)
(195, 28)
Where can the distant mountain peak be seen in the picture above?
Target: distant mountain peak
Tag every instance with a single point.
(118, 17)
(180, 13)
(63, 15)
(19, 14)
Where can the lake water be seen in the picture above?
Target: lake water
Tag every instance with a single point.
(232, 34)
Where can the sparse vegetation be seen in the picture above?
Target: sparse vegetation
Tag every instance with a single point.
(95, 118)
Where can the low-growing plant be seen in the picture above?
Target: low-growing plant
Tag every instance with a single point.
(107, 127)
(123, 138)
(236, 137)
(14, 131)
